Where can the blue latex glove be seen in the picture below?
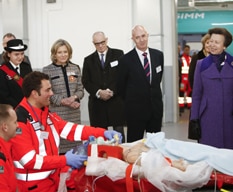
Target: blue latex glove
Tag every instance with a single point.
(75, 160)
(109, 134)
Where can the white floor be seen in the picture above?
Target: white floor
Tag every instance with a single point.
(178, 130)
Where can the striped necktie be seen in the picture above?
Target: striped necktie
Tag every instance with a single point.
(146, 66)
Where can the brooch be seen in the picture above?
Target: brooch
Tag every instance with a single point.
(16, 77)
(71, 78)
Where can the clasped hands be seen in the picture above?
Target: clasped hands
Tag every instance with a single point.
(70, 102)
(105, 94)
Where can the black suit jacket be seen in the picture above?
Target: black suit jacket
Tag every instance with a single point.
(141, 98)
(192, 66)
(94, 77)
(11, 93)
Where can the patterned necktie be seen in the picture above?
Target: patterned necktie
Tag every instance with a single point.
(102, 60)
(146, 66)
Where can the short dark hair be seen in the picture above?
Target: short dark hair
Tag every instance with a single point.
(224, 32)
(186, 46)
(32, 81)
(4, 111)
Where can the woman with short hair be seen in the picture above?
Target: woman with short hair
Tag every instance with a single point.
(212, 98)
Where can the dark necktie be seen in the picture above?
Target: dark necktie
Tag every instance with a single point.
(102, 60)
(146, 66)
(17, 69)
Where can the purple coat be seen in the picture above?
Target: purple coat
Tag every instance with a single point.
(212, 102)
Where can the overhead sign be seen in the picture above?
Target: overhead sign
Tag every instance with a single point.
(201, 21)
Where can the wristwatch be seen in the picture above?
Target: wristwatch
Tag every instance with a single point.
(76, 98)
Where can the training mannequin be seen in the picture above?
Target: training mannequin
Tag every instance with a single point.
(132, 154)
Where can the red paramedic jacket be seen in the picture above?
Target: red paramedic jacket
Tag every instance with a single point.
(35, 150)
(7, 175)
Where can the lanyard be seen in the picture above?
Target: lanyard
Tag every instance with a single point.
(37, 118)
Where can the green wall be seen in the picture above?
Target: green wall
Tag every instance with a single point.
(199, 22)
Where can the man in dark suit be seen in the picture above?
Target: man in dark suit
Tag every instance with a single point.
(99, 79)
(12, 73)
(139, 85)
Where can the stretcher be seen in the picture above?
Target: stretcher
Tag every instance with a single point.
(85, 183)
(219, 181)
(102, 182)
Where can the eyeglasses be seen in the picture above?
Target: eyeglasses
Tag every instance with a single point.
(99, 43)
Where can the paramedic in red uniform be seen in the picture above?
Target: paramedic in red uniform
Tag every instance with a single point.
(35, 151)
(8, 126)
(185, 89)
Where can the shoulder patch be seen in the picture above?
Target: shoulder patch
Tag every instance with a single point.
(2, 156)
(22, 114)
(1, 169)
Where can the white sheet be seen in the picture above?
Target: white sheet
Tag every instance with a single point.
(219, 159)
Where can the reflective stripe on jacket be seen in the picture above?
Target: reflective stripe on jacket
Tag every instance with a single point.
(35, 151)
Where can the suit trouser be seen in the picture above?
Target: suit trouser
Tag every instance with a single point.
(121, 130)
(137, 127)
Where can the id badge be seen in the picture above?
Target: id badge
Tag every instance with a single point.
(44, 135)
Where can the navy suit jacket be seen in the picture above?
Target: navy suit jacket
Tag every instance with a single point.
(142, 99)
